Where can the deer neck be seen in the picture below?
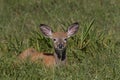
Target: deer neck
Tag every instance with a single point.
(60, 56)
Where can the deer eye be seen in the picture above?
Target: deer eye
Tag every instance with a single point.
(65, 39)
(54, 39)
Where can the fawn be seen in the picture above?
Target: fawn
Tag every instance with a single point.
(59, 40)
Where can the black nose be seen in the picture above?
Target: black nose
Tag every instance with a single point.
(60, 46)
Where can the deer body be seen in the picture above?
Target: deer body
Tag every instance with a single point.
(60, 42)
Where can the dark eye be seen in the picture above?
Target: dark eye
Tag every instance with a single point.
(54, 39)
(65, 39)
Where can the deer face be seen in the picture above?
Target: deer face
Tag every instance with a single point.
(59, 38)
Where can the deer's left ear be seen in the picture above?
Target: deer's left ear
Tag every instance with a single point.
(46, 30)
(72, 29)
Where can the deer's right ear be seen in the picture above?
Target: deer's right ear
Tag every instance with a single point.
(46, 30)
(73, 29)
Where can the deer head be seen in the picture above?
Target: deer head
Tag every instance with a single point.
(59, 38)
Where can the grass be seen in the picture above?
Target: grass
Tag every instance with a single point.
(93, 53)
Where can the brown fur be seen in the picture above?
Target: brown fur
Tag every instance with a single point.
(59, 35)
(34, 56)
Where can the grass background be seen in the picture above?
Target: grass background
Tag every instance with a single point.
(93, 53)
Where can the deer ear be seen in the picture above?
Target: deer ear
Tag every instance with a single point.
(46, 30)
(72, 29)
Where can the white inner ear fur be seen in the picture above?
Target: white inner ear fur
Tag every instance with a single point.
(69, 33)
(49, 34)
(46, 31)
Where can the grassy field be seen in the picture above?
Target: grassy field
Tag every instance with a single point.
(93, 53)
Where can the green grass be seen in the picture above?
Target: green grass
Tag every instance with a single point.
(93, 53)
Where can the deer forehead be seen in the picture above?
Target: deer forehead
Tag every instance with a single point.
(59, 35)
